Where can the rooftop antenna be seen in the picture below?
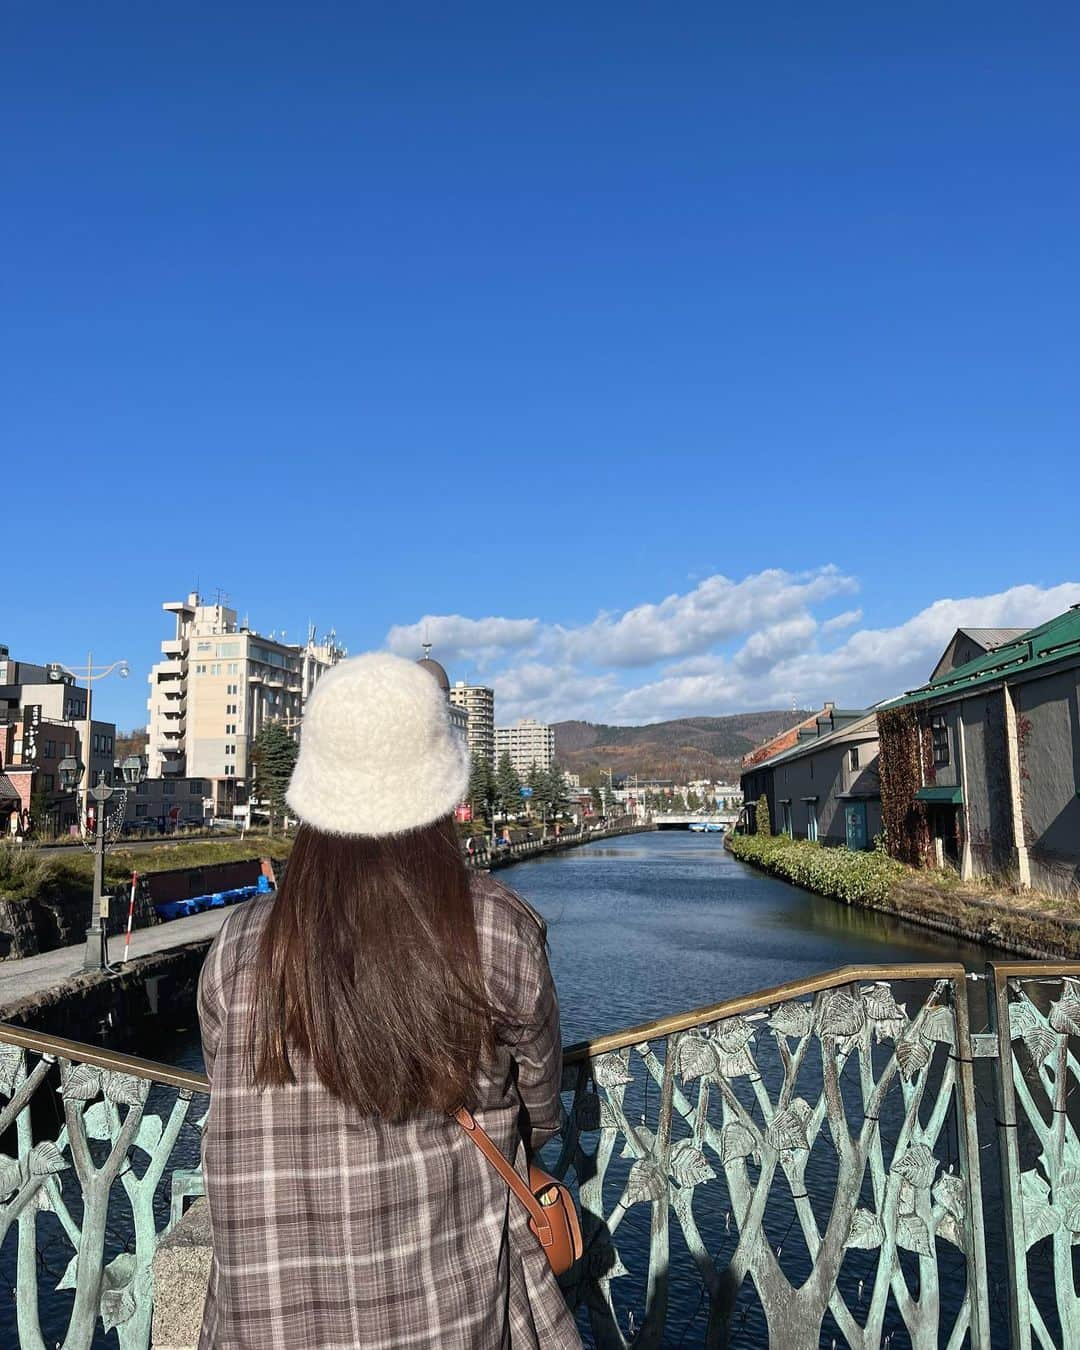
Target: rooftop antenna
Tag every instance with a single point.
(426, 644)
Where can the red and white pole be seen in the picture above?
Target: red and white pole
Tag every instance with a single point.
(131, 914)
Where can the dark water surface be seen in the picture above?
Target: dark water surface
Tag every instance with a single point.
(658, 923)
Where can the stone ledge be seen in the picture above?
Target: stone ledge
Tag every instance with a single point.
(181, 1278)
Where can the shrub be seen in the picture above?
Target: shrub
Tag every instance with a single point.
(24, 874)
(762, 823)
(835, 872)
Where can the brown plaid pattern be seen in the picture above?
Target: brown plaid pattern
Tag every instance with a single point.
(333, 1230)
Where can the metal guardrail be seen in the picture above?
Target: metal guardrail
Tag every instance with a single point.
(799, 1163)
(484, 855)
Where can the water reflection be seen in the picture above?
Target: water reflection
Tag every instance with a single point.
(674, 922)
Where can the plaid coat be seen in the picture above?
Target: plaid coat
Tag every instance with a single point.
(333, 1230)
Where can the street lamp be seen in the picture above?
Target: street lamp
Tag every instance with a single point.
(57, 670)
(133, 769)
(72, 771)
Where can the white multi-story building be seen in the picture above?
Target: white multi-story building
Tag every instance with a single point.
(527, 742)
(215, 687)
(479, 704)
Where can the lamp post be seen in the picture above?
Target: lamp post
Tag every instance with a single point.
(72, 771)
(57, 670)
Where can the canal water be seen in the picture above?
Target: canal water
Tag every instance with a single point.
(653, 924)
(657, 923)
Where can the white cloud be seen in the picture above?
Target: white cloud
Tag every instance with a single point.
(552, 693)
(456, 639)
(870, 665)
(764, 649)
(838, 621)
(716, 610)
(692, 640)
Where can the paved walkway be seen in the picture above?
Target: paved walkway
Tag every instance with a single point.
(35, 974)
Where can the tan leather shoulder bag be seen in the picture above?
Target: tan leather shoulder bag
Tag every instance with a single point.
(552, 1215)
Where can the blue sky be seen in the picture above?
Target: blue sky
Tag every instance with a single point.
(632, 344)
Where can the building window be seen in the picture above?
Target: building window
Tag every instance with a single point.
(939, 733)
(853, 758)
(168, 787)
(811, 821)
(50, 749)
(788, 828)
(140, 808)
(47, 779)
(215, 669)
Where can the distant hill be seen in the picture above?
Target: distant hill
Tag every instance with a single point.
(691, 747)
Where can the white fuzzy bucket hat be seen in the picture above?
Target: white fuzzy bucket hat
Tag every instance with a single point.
(378, 754)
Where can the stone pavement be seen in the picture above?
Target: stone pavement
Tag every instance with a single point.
(36, 974)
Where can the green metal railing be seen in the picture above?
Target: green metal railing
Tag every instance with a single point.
(802, 1166)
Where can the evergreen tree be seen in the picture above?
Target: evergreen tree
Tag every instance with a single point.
(273, 754)
(481, 789)
(597, 800)
(41, 820)
(552, 790)
(611, 802)
(508, 786)
(762, 823)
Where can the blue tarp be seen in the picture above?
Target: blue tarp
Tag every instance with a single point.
(180, 909)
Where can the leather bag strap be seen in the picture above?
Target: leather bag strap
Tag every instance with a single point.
(491, 1152)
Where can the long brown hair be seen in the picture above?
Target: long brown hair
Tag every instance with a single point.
(369, 966)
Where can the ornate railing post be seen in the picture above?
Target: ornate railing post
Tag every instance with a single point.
(1035, 1009)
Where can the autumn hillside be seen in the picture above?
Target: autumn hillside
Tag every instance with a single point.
(691, 747)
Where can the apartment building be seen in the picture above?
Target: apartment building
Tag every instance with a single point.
(527, 742)
(217, 684)
(479, 705)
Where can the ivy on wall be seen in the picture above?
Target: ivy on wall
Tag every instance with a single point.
(907, 829)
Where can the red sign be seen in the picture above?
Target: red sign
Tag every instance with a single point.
(463, 814)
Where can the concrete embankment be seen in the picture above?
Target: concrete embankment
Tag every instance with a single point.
(119, 1010)
(1014, 926)
(49, 992)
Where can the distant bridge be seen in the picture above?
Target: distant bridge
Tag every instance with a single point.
(684, 821)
